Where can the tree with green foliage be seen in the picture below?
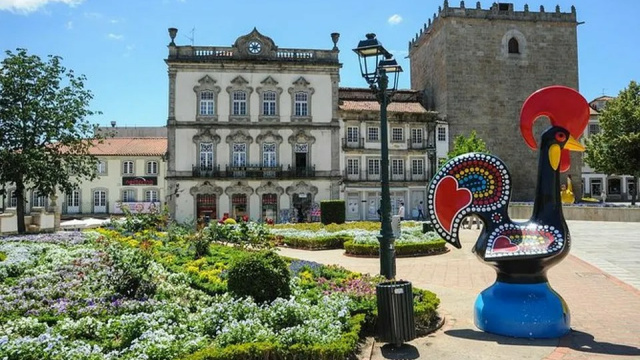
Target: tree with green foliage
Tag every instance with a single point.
(463, 145)
(45, 136)
(616, 148)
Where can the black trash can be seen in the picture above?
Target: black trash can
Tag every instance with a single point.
(426, 227)
(396, 324)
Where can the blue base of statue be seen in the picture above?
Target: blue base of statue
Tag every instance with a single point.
(522, 310)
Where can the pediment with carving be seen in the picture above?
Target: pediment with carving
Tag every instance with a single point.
(205, 188)
(206, 135)
(301, 136)
(240, 187)
(239, 136)
(243, 44)
(269, 136)
(268, 187)
(301, 188)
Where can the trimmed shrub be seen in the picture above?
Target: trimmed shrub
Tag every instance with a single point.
(321, 243)
(3, 256)
(412, 249)
(262, 275)
(341, 349)
(332, 211)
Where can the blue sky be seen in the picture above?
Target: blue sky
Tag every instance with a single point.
(120, 45)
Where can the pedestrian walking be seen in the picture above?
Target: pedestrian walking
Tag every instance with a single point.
(401, 211)
(421, 211)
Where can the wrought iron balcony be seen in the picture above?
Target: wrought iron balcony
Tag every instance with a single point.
(351, 144)
(364, 175)
(206, 171)
(253, 171)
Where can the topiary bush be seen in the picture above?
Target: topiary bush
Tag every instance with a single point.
(262, 275)
(332, 211)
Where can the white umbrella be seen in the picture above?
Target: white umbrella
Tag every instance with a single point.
(93, 222)
(73, 224)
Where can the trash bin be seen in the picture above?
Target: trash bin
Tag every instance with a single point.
(396, 324)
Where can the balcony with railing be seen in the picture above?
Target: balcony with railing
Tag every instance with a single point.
(366, 176)
(254, 171)
(351, 143)
(206, 171)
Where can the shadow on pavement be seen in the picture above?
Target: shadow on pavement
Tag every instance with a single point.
(584, 342)
(577, 340)
(484, 336)
(405, 351)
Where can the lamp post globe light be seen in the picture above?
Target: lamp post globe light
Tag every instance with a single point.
(395, 322)
(376, 64)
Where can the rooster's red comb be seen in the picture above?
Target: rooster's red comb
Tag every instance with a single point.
(564, 106)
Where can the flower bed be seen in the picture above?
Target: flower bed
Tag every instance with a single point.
(412, 242)
(108, 295)
(357, 238)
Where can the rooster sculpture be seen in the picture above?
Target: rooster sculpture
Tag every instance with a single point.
(521, 303)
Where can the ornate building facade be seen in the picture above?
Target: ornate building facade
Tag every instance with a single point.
(253, 130)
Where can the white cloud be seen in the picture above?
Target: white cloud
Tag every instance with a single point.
(395, 19)
(69, 25)
(115, 36)
(27, 6)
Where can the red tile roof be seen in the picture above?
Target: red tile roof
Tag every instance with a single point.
(406, 107)
(131, 146)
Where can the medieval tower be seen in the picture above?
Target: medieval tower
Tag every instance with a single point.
(477, 67)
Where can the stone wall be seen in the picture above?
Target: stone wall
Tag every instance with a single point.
(586, 213)
(462, 62)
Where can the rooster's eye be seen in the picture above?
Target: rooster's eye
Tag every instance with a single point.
(561, 137)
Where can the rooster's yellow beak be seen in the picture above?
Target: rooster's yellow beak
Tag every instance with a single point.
(573, 144)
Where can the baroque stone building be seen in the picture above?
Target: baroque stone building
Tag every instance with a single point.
(252, 130)
(477, 66)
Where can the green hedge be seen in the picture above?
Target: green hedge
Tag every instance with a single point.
(414, 249)
(332, 211)
(338, 350)
(320, 243)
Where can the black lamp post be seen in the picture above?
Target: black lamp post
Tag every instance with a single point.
(375, 65)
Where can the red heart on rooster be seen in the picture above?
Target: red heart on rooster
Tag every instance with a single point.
(503, 244)
(449, 200)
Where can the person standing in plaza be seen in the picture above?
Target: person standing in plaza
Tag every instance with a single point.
(421, 211)
(401, 211)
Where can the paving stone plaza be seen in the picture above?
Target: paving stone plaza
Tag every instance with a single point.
(600, 281)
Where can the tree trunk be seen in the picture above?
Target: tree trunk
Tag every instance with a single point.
(20, 206)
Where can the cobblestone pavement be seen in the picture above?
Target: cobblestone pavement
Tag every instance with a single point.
(598, 282)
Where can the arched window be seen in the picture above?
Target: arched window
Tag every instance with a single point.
(514, 47)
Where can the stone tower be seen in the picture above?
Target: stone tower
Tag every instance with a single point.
(477, 67)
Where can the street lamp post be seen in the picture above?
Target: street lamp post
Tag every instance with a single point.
(376, 63)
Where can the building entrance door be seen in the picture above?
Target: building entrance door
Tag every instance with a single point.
(302, 206)
(206, 207)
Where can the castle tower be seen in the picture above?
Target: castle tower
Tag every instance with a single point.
(477, 67)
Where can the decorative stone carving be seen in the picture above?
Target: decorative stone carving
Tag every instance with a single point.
(268, 187)
(240, 187)
(245, 45)
(301, 136)
(239, 136)
(302, 188)
(205, 188)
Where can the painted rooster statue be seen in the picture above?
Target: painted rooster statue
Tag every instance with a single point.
(521, 302)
